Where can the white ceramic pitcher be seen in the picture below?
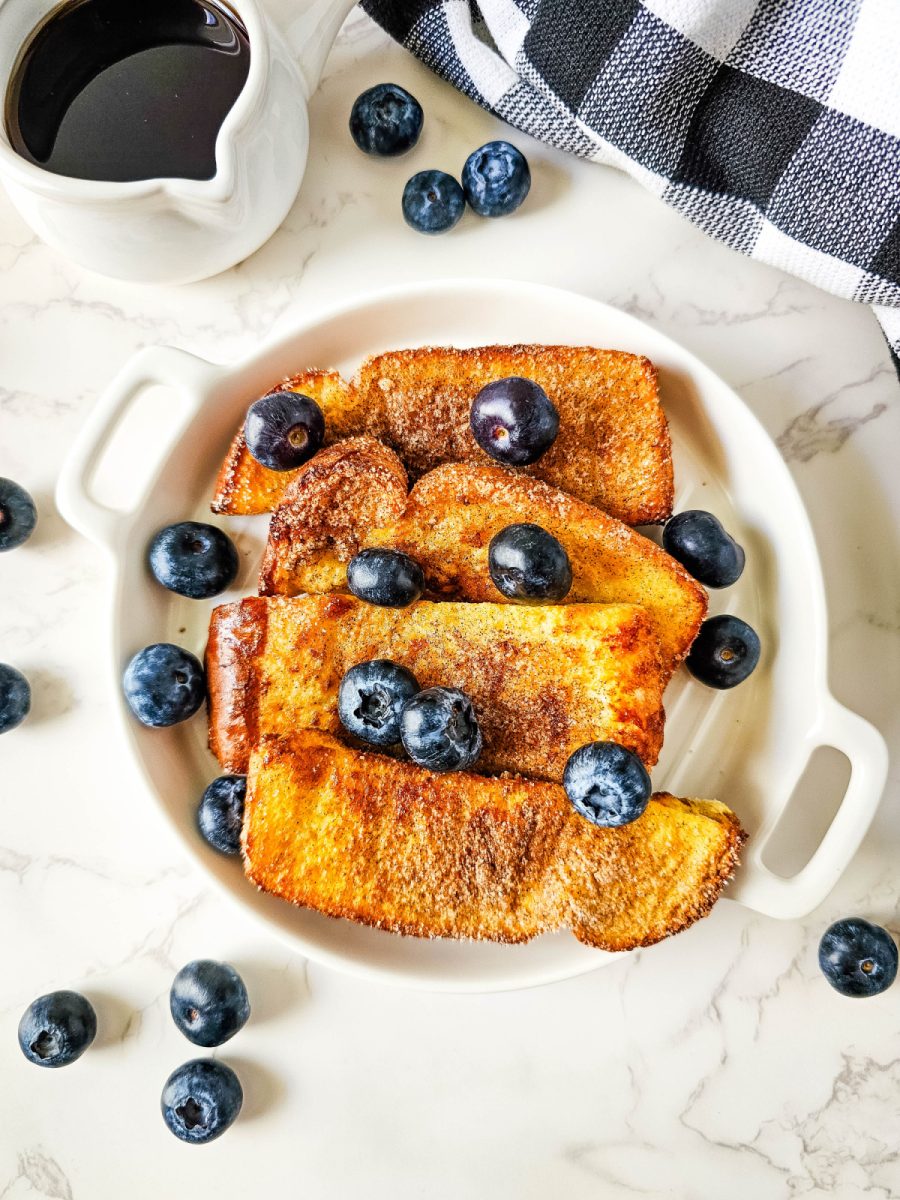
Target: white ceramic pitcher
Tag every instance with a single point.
(178, 230)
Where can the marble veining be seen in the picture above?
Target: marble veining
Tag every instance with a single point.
(715, 1064)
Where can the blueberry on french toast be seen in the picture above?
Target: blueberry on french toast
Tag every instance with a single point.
(440, 731)
(283, 430)
(607, 784)
(529, 565)
(371, 699)
(389, 578)
(514, 421)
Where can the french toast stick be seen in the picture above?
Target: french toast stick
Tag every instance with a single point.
(389, 844)
(543, 681)
(341, 494)
(245, 486)
(446, 524)
(613, 449)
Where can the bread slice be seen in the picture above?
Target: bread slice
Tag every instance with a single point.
(446, 525)
(544, 681)
(245, 486)
(613, 448)
(388, 844)
(341, 494)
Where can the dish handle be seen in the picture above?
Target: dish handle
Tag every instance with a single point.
(758, 887)
(191, 377)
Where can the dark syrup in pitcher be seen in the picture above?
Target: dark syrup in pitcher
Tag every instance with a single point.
(122, 90)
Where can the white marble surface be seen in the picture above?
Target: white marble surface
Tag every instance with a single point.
(717, 1064)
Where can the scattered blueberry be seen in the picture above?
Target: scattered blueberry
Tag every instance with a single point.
(221, 813)
(433, 202)
(528, 564)
(698, 540)
(858, 958)
(385, 577)
(164, 684)
(514, 421)
(725, 652)
(496, 179)
(193, 559)
(284, 430)
(15, 698)
(607, 784)
(201, 1099)
(57, 1028)
(371, 698)
(18, 516)
(208, 1002)
(386, 120)
(439, 729)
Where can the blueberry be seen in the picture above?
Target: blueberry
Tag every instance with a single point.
(15, 698)
(386, 120)
(201, 1099)
(528, 564)
(439, 729)
(433, 202)
(193, 559)
(385, 577)
(18, 516)
(57, 1028)
(221, 813)
(699, 542)
(514, 420)
(208, 1002)
(164, 684)
(725, 652)
(496, 179)
(284, 430)
(607, 784)
(858, 958)
(371, 698)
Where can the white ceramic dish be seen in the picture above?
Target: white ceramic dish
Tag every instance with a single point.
(748, 747)
(176, 230)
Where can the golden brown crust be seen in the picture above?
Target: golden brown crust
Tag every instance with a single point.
(348, 488)
(544, 681)
(237, 635)
(446, 525)
(613, 449)
(387, 844)
(244, 486)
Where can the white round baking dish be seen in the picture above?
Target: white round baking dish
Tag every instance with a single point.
(748, 747)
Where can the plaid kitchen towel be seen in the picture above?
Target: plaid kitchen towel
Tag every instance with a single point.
(774, 125)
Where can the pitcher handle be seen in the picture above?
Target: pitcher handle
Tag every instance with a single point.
(309, 28)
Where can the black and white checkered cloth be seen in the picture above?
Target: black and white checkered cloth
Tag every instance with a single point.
(774, 125)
